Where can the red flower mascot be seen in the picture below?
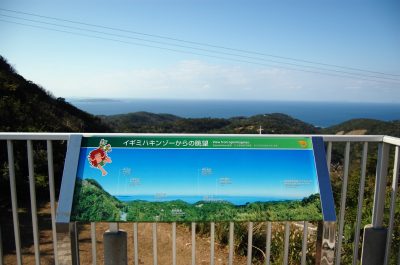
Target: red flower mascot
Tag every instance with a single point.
(98, 157)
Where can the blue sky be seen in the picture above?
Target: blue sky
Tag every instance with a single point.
(355, 34)
(199, 172)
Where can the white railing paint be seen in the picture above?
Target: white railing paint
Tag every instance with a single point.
(231, 242)
(135, 244)
(193, 243)
(268, 244)
(14, 205)
(304, 243)
(50, 167)
(360, 202)
(32, 192)
(343, 203)
(395, 184)
(249, 242)
(94, 243)
(212, 242)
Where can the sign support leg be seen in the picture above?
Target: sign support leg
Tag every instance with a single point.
(67, 244)
(115, 246)
(373, 247)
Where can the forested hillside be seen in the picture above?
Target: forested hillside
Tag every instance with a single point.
(366, 126)
(27, 107)
(275, 123)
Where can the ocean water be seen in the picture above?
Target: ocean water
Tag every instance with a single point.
(321, 114)
(236, 200)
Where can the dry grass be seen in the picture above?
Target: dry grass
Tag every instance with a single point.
(164, 242)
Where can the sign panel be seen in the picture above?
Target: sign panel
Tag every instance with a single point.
(162, 178)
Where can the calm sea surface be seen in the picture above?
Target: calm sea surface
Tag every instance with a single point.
(317, 113)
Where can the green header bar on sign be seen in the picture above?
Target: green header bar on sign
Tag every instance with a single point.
(200, 142)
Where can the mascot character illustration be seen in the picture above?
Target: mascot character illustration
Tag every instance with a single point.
(98, 157)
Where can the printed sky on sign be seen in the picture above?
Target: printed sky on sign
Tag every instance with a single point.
(239, 172)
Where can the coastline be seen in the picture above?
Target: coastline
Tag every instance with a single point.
(319, 114)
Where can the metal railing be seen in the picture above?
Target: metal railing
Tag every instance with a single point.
(385, 143)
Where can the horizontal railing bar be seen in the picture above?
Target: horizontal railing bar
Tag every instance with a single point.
(65, 136)
(391, 140)
(351, 138)
(35, 136)
(327, 138)
(340, 138)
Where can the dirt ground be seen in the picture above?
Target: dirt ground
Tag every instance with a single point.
(145, 245)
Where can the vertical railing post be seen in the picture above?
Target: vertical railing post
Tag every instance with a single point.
(231, 243)
(67, 244)
(50, 166)
(174, 243)
(374, 243)
(395, 183)
(380, 185)
(268, 244)
(74, 235)
(193, 243)
(360, 203)
(32, 191)
(212, 239)
(155, 256)
(93, 238)
(14, 203)
(342, 210)
(286, 244)
(329, 156)
(304, 243)
(249, 243)
(135, 244)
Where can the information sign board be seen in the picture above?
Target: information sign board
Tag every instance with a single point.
(195, 178)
